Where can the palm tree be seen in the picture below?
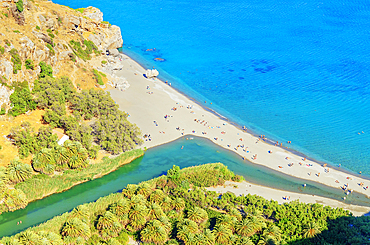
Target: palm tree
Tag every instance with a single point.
(17, 171)
(50, 238)
(154, 232)
(29, 238)
(209, 238)
(267, 240)
(155, 211)
(235, 213)
(222, 234)
(227, 220)
(138, 200)
(75, 228)
(167, 204)
(42, 158)
(184, 234)
(273, 231)
(245, 241)
(81, 212)
(257, 223)
(244, 228)
(197, 215)
(15, 199)
(166, 223)
(137, 216)
(311, 230)
(129, 191)
(120, 208)
(145, 190)
(157, 196)
(191, 225)
(179, 204)
(106, 221)
(61, 156)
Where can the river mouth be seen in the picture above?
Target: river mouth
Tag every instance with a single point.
(155, 162)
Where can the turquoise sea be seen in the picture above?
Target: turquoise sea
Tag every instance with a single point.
(291, 70)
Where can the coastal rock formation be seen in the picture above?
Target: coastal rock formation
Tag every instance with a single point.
(4, 96)
(151, 73)
(18, 16)
(119, 83)
(93, 13)
(6, 69)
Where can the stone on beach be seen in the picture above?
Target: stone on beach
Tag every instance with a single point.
(151, 73)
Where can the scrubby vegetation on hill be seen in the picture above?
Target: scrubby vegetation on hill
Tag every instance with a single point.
(164, 211)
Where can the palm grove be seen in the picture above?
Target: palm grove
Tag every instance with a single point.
(90, 118)
(177, 209)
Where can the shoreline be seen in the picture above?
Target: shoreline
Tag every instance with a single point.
(162, 100)
(268, 140)
(245, 187)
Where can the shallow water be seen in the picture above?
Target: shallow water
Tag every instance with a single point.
(292, 70)
(156, 162)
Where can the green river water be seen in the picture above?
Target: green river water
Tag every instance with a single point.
(154, 163)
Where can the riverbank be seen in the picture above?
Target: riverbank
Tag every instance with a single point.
(47, 186)
(165, 114)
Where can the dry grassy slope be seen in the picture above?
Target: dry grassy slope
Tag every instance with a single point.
(79, 72)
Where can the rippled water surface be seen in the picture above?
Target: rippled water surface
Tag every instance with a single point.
(292, 70)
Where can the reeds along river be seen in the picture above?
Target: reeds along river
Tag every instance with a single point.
(291, 70)
(156, 162)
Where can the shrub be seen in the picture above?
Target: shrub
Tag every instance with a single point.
(104, 62)
(38, 28)
(17, 62)
(16, 31)
(98, 77)
(21, 100)
(19, 5)
(46, 70)
(6, 41)
(52, 52)
(29, 64)
(2, 49)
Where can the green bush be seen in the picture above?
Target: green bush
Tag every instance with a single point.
(6, 41)
(21, 99)
(2, 50)
(46, 70)
(104, 62)
(16, 31)
(98, 77)
(38, 28)
(17, 62)
(52, 52)
(29, 64)
(83, 50)
(19, 5)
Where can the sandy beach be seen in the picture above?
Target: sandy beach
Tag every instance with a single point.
(285, 196)
(164, 114)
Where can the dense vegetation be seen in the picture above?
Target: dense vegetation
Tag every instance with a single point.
(21, 99)
(168, 211)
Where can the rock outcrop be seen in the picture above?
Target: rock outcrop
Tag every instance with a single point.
(18, 16)
(151, 73)
(93, 13)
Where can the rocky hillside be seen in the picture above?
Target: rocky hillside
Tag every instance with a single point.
(75, 43)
